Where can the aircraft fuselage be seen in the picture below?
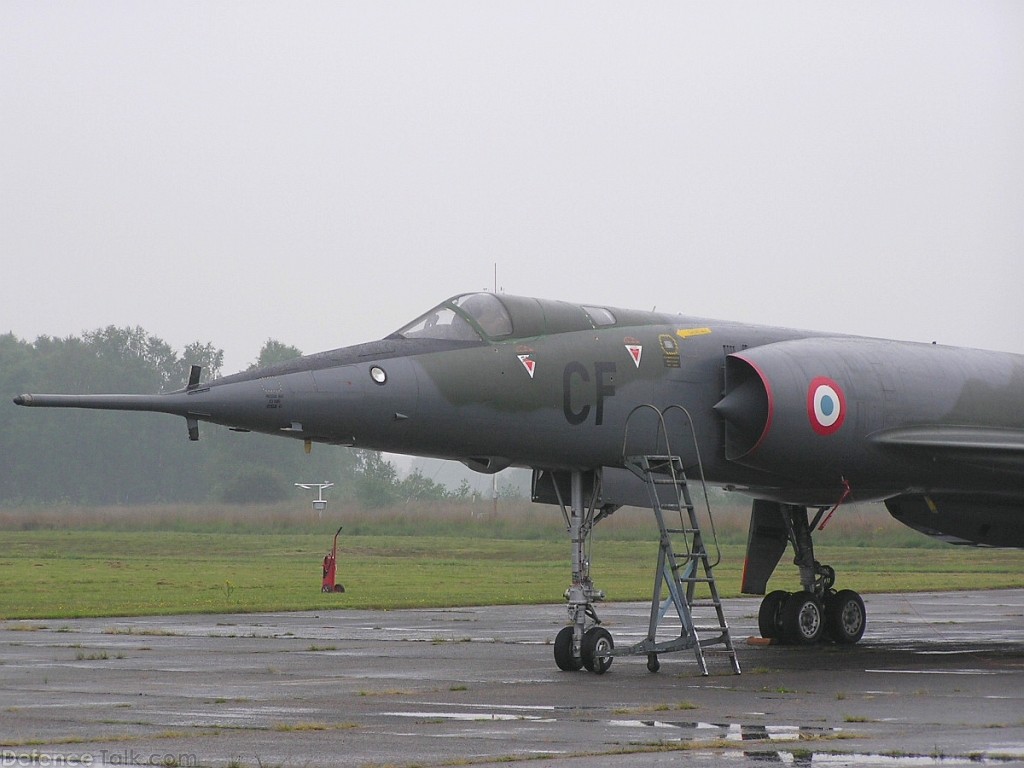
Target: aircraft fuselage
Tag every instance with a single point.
(560, 400)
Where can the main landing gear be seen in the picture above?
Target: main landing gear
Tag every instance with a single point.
(804, 617)
(818, 611)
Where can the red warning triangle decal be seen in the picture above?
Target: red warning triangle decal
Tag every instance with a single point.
(635, 352)
(528, 363)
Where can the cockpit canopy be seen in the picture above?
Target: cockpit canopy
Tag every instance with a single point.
(493, 317)
(480, 312)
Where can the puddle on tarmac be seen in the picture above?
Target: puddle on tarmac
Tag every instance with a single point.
(731, 731)
(696, 732)
(780, 757)
(699, 731)
(471, 717)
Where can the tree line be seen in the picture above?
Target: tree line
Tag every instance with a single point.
(107, 457)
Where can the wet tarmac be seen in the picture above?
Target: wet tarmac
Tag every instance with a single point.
(937, 680)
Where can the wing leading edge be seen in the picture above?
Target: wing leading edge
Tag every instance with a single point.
(996, 448)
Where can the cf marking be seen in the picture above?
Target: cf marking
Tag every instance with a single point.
(604, 375)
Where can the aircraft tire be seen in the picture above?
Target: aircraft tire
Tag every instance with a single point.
(653, 665)
(564, 659)
(769, 616)
(596, 641)
(803, 619)
(845, 617)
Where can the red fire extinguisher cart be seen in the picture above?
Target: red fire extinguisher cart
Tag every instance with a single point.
(331, 568)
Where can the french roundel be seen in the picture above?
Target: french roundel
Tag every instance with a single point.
(826, 406)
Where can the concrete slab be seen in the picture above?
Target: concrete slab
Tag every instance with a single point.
(938, 679)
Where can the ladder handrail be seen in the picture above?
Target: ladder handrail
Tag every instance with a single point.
(663, 431)
(703, 480)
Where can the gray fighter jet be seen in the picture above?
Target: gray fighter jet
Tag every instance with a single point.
(612, 406)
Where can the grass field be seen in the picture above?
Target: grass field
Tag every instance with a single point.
(68, 562)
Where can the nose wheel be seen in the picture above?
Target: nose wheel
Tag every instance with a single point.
(565, 659)
(595, 650)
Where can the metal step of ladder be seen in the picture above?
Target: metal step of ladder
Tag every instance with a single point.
(683, 563)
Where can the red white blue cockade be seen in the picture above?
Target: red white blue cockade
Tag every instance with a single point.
(826, 405)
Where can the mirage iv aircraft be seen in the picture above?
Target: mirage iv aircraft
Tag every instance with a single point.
(612, 406)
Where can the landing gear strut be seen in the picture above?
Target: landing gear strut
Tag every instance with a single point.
(584, 643)
(817, 611)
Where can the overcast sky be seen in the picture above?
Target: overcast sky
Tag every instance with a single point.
(322, 172)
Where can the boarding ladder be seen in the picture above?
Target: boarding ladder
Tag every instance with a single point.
(683, 564)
